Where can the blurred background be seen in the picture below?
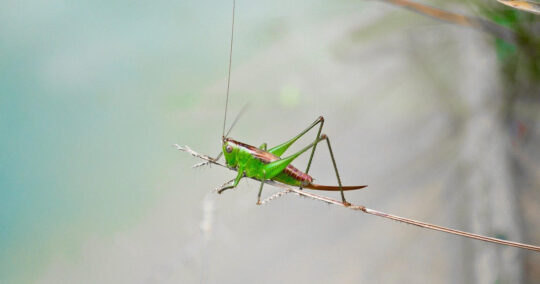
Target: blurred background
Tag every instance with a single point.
(440, 120)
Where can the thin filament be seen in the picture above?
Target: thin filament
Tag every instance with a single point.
(229, 75)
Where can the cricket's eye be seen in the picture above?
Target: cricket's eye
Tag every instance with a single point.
(228, 148)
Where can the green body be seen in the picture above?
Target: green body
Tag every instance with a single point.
(262, 165)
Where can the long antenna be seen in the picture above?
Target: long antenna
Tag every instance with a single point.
(229, 75)
(242, 110)
(227, 134)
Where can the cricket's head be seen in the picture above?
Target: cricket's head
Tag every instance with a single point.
(230, 151)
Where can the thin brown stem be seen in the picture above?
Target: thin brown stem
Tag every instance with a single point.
(371, 211)
(461, 20)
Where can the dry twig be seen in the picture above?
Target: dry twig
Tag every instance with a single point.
(524, 5)
(461, 20)
(288, 189)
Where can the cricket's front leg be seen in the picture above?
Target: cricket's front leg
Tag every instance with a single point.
(223, 185)
(236, 181)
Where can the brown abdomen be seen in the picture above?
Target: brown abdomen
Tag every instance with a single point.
(298, 175)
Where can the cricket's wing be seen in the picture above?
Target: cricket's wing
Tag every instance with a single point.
(332, 188)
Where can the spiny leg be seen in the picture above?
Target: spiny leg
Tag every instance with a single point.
(276, 195)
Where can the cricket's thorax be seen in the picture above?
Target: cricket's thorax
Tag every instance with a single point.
(252, 160)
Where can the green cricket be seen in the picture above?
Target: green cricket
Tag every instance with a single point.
(267, 164)
(263, 164)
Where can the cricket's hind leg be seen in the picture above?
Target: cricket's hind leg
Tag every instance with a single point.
(321, 121)
(275, 167)
(335, 169)
(318, 139)
(281, 148)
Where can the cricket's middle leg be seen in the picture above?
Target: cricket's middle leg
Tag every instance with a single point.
(260, 189)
